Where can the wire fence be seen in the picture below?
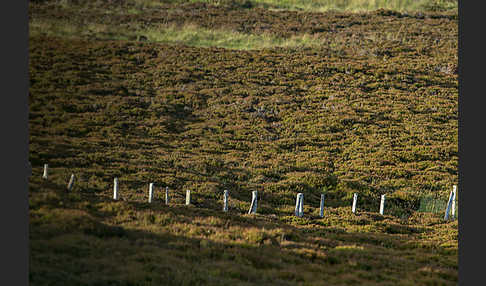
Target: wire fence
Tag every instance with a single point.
(432, 204)
(436, 204)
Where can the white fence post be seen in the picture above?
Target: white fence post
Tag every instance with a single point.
(188, 197)
(151, 192)
(382, 204)
(44, 175)
(449, 204)
(355, 199)
(71, 183)
(321, 207)
(453, 210)
(297, 204)
(166, 195)
(225, 201)
(301, 205)
(253, 206)
(115, 189)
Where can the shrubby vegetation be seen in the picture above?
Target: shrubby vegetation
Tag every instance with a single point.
(212, 97)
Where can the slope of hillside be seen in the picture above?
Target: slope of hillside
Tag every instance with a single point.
(371, 109)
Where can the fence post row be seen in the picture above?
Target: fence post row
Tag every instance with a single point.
(299, 204)
(44, 175)
(115, 189)
(151, 192)
(253, 206)
(355, 199)
(321, 206)
(71, 183)
(382, 204)
(225, 201)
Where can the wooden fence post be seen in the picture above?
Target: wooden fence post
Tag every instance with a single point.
(449, 204)
(453, 210)
(44, 175)
(301, 205)
(115, 189)
(151, 192)
(254, 201)
(321, 207)
(71, 183)
(355, 200)
(188, 197)
(225, 201)
(382, 204)
(297, 204)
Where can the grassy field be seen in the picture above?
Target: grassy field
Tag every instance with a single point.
(220, 96)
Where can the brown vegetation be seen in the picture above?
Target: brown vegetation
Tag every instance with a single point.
(372, 111)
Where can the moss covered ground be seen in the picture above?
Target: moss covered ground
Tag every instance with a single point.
(366, 103)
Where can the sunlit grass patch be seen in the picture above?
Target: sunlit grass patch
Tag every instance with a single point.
(139, 6)
(352, 247)
(360, 5)
(336, 5)
(190, 35)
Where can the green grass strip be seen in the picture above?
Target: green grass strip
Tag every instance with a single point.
(189, 35)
